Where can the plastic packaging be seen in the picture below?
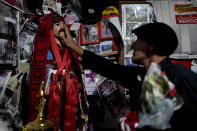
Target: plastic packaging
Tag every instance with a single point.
(159, 99)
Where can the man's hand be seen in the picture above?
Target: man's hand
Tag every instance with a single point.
(69, 42)
(66, 37)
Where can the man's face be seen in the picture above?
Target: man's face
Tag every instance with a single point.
(141, 51)
(56, 27)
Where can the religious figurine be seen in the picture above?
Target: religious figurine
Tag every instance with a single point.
(65, 82)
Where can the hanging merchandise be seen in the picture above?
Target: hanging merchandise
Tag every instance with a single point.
(12, 102)
(110, 11)
(72, 21)
(12, 99)
(51, 5)
(4, 78)
(70, 17)
(8, 36)
(27, 32)
(181, 15)
(66, 104)
(112, 100)
(109, 93)
(90, 84)
(10, 117)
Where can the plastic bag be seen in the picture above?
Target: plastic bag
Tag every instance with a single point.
(159, 99)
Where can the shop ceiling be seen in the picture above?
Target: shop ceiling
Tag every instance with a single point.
(89, 10)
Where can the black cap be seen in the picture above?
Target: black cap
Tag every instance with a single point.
(162, 36)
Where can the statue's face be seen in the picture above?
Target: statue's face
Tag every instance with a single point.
(56, 27)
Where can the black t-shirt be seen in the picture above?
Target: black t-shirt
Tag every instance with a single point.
(132, 78)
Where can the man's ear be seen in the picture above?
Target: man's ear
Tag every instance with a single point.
(151, 50)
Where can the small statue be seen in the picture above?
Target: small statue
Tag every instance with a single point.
(40, 123)
(40, 107)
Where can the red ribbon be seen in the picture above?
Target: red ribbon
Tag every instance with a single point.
(71, 105)
(131, 119)
(54, 102)
(71, 90)
(37, 75)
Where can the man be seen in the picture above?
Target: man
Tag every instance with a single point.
(155, 43)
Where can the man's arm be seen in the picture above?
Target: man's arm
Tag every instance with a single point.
(125, 76)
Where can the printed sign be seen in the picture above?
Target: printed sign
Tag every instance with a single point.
(181, 8)
(186, 19)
